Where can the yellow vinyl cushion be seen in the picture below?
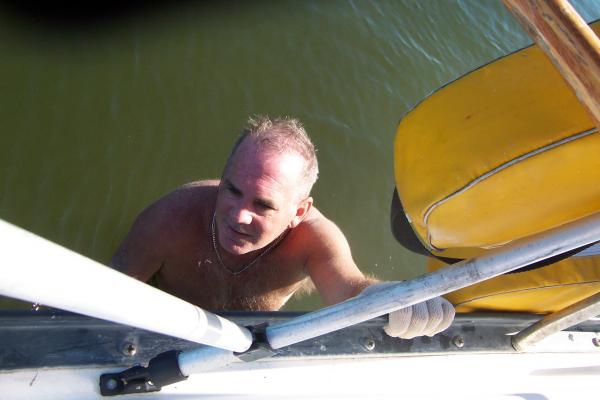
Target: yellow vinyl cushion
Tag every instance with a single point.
(504, 152)
(543, 290)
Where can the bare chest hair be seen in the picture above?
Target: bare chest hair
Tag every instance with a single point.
(195, 275)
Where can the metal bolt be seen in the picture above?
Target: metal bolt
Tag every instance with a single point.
(369, 344)
(596, 342)
(129, 349)
(111, 384)
(458, 341)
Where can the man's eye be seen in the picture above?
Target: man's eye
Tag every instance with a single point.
(234, 191)
(264, 206)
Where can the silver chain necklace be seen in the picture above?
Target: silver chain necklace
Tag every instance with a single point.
(251, 263)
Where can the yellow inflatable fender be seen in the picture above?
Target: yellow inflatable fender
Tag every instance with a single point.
(501, 153)
(542, 290)
(504, 152)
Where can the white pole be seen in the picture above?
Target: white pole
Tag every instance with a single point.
(37, 270)
(514, 255)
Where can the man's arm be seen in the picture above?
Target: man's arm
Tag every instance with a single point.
(142, 252)
(337, 278)
(330, 264)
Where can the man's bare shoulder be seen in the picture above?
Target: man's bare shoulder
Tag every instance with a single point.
(205, 184)
(328, 259)
(189, 202)
(318, 230)
(189, 194)
(165, 227)
(316, 220)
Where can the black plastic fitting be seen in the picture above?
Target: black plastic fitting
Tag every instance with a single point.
(162, 370)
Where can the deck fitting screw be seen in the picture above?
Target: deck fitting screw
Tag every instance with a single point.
(458, 341)
(129, 349)
(369, 344)
(111, 384)
(596, 342)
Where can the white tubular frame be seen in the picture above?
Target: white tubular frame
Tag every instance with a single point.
(78, 284)
(37, 270)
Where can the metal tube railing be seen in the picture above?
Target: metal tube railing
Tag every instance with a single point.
(514, 255)
(556, 322)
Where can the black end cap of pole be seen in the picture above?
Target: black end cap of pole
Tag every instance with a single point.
(162, 370)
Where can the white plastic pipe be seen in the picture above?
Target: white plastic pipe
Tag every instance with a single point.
(37, 270)
(204, 359)
(514, 255)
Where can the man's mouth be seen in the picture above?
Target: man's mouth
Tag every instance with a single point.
(238, 232)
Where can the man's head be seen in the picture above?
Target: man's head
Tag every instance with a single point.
(266, 184)
(285, 136)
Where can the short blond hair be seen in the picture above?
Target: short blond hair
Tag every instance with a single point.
(284, 135)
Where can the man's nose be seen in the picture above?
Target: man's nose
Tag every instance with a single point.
(242, 216)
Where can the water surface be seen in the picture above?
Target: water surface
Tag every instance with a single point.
(101, 116)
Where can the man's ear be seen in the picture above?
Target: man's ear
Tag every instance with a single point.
(301, 211)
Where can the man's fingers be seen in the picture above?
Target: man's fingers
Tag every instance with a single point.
(436, 316)
(448, 315)
(420, 316)
(399, 322)
(427, 318)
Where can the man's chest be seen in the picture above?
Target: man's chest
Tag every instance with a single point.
(196, 274)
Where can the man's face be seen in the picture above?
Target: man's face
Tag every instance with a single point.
(258, 198)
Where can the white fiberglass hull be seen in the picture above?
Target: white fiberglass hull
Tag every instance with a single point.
(458, 376)
(53, 355)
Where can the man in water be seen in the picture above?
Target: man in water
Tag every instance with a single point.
(252, 239)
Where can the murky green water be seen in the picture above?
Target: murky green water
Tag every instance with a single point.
(98, 119)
